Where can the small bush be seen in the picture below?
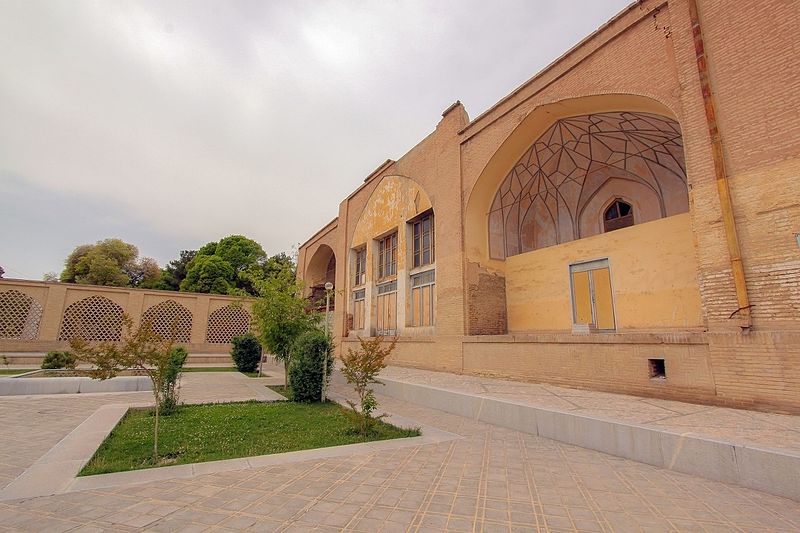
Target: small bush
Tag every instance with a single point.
(172, 372)
(305, 367)
(361, 368)
(59, 360)
(246, 352)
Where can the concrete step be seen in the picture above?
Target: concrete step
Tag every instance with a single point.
(762, 468)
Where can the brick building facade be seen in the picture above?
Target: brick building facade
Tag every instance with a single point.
(625, 221)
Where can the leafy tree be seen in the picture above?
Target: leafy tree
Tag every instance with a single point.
(175, 272)
(209, 273)
(2, 271)
(169, 394)
(280, 312)
(361, 368)
(50, 276)
(240, 252)
(305, 369)
(141, 348)
(246, 352)
(109, 262)
(144, 274)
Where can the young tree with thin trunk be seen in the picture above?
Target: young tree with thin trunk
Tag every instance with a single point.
(141, 348)
(361, 368)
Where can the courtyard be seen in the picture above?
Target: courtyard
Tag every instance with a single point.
(470, 475)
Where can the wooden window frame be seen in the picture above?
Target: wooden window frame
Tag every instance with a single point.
(387, 256)
(418, 234)
(360, 266)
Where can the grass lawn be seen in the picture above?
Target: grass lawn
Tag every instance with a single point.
(219, 369)
(199, 433)
(14, 371)
(282, 390)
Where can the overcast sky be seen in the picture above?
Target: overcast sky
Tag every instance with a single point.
(173, 123)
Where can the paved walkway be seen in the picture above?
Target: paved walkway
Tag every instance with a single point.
(31, 425)
(492, 479)
(781, 432)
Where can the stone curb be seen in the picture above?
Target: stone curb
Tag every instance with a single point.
(769, 470)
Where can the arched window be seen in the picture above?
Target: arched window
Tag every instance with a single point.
(618, 215)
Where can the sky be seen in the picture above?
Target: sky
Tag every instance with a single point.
(172, 123)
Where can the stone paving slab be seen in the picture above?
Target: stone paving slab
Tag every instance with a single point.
(492, 479)
(711, 452)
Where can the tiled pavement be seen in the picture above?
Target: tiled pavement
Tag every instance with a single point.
(493, 479)
(770, 430)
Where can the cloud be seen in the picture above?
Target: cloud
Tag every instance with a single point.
(198, 119)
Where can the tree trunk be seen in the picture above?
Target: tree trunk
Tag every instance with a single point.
(286, 373)
(155, 433)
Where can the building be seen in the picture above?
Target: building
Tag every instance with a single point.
(626, 220)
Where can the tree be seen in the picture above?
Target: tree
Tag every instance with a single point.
(50, 276)
(2, 271)
(209, 273)
(240, 252)
(111, 262)
(144, 274)
(248, 264)
(361, 368)
(280, 312)
(141, 348)
(175, 272)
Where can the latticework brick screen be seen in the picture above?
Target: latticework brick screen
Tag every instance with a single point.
(20, 316)
(226, 323)
(95, 318)
(170, 320)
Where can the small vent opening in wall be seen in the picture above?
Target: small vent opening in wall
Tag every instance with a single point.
(658, 369)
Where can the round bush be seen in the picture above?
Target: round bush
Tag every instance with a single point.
(59, 360)
(305, 367)
(246, 352)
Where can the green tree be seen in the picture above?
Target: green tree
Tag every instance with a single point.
(361, 368)
(240, 252)
(111, 262)
(280, 312)
(141, 348)
(209, 273)
(175, 272)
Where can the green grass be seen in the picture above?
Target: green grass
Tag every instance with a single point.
(14, 371)
(286, 392)
(199, 433)
(219, 369)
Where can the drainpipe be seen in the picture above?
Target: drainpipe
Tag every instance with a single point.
(723, 187)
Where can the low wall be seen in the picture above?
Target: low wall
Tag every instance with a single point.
(37, 317)
(17, 386)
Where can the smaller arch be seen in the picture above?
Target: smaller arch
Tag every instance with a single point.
(619, 214)
(20, 316)
(227, 322)
(171, 320)
(321, 269)
(95, 318)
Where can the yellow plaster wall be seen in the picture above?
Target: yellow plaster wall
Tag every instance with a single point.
(653, 278)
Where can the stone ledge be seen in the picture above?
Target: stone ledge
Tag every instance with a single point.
(769, 470)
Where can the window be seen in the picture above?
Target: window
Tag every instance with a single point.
(618, 215)
(423, 238)
(658, 370)
(592, 302)
(359, 298)
(387, 256)
(386, 323)
(360, 267)
(422, 295)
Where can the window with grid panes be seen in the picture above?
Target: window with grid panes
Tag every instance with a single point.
(387, 256)
(423, 241)
(360, 267)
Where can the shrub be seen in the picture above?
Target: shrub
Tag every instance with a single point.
(172, 372)
(360, 368)
(246, 352)
(59, 360)
(305, 367)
